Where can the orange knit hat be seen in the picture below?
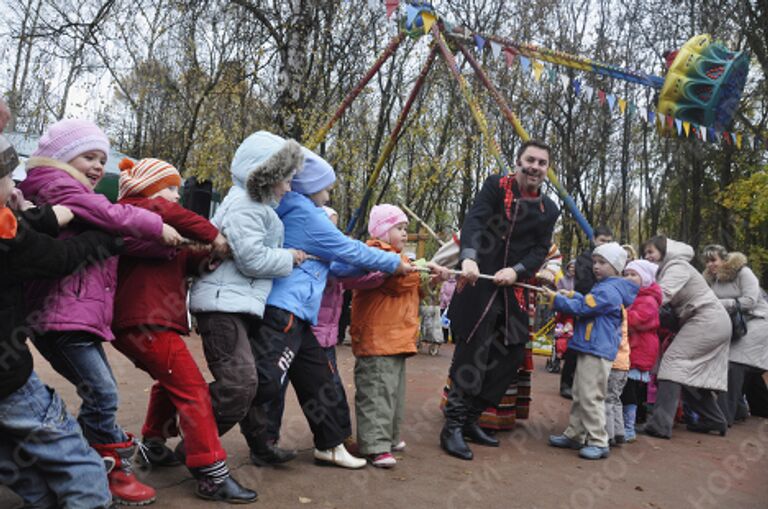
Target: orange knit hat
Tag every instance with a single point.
(146, 177)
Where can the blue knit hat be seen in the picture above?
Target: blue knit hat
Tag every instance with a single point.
(316, 175)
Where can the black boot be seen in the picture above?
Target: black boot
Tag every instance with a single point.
(215, 483)
(452, 436)
(452, 441)
(472, 430)
(268, 453)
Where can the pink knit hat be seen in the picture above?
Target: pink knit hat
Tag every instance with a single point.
(645, 269)
(383, 218)
(67, 139)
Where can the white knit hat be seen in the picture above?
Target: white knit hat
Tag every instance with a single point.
(614, 254)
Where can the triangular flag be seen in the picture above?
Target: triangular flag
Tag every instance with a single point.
(622, 106)
(712, 134)
(738, 140)
(410, 15)
(495, 49)
(651, 116)
(679, 125)
(576, 86)
(703, 134)
(662, 119)
(429, 19)
(509, 56)
(564, 80)
(601, 96)
(632, 108)
(552, 74)
(392, 6)
(670, 121)
(687, 128)
(727, 137)
(611, 101)
(588, 93)
(538, 68)
(479, 42)
(525, 63)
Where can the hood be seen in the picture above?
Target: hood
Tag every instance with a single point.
(35, 164)
(728, 271)
(381, 245)
(677, 250)
(262, 160)
(653, 291)
(627, 289)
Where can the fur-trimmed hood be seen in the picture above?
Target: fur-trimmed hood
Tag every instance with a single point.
(262, 160)
(729, 269)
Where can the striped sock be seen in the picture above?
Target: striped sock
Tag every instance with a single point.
(217, 472)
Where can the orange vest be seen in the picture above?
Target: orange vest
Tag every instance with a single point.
(385, 319)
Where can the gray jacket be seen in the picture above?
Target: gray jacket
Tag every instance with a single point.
(254, 231)
(698, 356)
(735, 281)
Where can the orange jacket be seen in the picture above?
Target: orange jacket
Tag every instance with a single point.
(385, 319)
(622, 356)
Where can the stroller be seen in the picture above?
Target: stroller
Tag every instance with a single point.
(431, 332)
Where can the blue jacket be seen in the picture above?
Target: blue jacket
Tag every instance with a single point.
(308, 228)
(598, 316)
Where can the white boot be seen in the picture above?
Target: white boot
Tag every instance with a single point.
(340, 457)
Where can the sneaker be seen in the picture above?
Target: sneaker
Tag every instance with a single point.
(594, 452)
(564, 442)
(383, 460)
(398, 447)
(338, 456)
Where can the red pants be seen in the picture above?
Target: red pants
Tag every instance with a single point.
(180, 392)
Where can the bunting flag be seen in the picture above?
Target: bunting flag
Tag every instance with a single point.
(525, 63)
(667, 124)
(429, 19)
(509, 56)
(479, 43)
(495, 49)
(392, 6)
(410, 14)
(589, 92)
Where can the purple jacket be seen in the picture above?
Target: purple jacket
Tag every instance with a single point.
(83, 300)
(446, 292)
(327, 329)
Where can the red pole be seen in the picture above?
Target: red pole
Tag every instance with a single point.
(321, 133)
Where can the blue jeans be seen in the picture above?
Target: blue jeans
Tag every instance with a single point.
(79, 357)
(43, 456)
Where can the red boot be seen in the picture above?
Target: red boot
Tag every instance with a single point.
(125, 488)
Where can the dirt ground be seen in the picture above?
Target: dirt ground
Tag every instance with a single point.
(689, 471)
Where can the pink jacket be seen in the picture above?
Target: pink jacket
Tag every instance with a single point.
(327, 329)
(83, 300)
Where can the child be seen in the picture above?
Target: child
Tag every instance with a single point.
(34, 424)
(617, 379)
(384, 330)
(643, 324)
(285, 340)
(150, 315)
(596, 341)
(71, 317)
(229, 302)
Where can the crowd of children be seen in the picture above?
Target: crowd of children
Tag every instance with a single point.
(269, 270)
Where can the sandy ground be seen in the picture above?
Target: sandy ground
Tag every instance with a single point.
(689, 471)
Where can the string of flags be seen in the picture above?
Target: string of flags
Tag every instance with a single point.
(545, 73)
